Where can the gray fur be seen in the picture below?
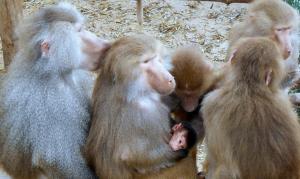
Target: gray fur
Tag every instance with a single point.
(45, 101)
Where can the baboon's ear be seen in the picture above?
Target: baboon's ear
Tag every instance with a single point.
(45, 46)
(268, 76)
(232, 56)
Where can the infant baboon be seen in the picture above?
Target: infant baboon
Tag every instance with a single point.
(183, 137)
(195, 77)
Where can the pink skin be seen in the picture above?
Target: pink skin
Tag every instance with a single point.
(93, 49)
(45, 48)
(158, 77)
(268, 77)
(188, 99)
(189, 103)
(178, 139)
(232, 56)
(283, 36)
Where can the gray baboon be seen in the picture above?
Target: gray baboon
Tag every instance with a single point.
(46, 96)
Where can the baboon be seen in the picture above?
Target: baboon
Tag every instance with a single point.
(194, 76)
(130, 129)
(183, 136)
(45, 96)
(251, 129)
(278, 20)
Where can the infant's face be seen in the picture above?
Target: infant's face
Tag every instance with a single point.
(179, 140)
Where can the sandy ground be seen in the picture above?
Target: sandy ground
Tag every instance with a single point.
(174, 22)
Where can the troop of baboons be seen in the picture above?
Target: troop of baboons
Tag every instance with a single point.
(141, 116)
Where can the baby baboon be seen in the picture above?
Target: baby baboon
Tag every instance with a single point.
(195, 77)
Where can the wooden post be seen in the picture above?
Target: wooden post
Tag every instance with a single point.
(10, 13)
(139, 11)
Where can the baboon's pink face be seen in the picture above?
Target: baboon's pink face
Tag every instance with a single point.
(157, 75)
(283, 35)
(189, 99)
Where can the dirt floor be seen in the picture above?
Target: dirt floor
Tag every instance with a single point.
(174, 22)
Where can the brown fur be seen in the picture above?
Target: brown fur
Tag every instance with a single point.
(251, 129)
(194, 74)
(127, 139)
(186, 168)
(191, 67)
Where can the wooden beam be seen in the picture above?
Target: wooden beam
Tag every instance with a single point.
(139, 11)
(10, 13)
(229, 1)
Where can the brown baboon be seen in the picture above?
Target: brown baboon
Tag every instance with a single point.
(194, 77)
(130, 129)
(278, 20)
(45, 97)
(251, 129)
